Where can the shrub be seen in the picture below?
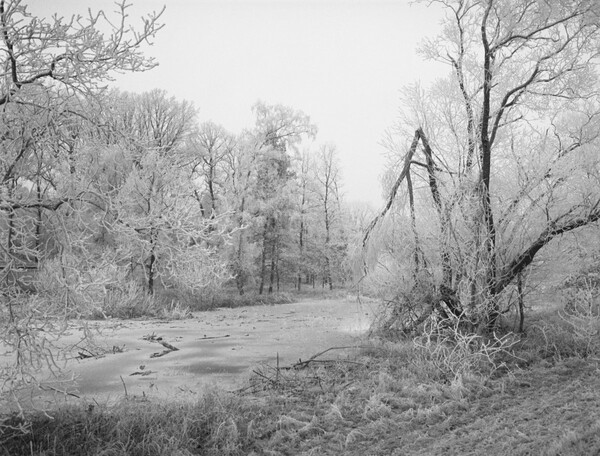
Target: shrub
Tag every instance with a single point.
(456, 353)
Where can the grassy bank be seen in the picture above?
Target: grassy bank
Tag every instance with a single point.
(535, 395)
(175, 304)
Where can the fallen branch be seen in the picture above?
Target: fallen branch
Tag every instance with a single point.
(159, 354)
(265, 377)
(56, 390)
(124, 386)
(169, 348)
(167, 345)
(82, 355)
(214, 337)
(142, 373)
(302, 364)
(326, 361)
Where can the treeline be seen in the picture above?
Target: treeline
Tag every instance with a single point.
(124, 190)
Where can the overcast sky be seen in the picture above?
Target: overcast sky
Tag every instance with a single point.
(342, 62)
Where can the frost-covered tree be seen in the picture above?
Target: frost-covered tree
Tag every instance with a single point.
(505, 144)
(51, 70)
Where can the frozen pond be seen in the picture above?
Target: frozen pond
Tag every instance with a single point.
(216, 347)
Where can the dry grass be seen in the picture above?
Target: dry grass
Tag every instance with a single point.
(387, 398)
(133, 302)
(232, 299)
(214, 425)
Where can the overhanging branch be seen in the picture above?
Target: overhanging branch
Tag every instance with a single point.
(9, 206)
(554, 229)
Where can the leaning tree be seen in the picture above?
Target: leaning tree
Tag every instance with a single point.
(505, 145)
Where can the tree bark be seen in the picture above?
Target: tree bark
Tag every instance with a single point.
(484, 187)
(263, 262)
(150, 272)
(413, 223)
(272, 272)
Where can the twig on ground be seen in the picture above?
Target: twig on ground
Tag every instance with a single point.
(153, 338)
(142, 373)
(56, 390)
(265, 377)
(159, 354)
(324, 361)
(301, 364)
(124, 386)
(167, 345)
(214, 337)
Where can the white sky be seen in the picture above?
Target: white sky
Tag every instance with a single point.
(342, 62)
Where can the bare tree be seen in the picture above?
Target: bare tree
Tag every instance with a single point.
(76, 54)
(213, 145)
(506, 140)
(154, 131)
(303, 209)
(327, 177)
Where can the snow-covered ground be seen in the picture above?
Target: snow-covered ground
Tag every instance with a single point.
(217, 347)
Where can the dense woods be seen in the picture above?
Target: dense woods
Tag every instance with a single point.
(107, 190)
(112, 201)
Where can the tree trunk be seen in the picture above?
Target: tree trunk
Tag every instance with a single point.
(10, 241)
(11, 233)
(240, 278)
(417, 253)
(301, 243)
(263, 262)
(150, 272)
(272, 272)
(38, 224)
(446, 290)
(484, 187)
(263, 259)
(442, 213)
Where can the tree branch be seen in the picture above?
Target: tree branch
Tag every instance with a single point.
(554, 229)
(392, 197)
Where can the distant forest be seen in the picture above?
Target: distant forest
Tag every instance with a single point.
(119, 190)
